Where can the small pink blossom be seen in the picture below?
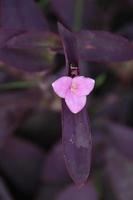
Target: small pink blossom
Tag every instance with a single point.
(74, 91)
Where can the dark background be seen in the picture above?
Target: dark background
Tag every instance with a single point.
(31, 159)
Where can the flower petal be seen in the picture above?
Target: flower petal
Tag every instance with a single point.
(62, 85)
(74, 102)
(84, 85)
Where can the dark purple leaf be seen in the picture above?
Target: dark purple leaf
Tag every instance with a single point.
(21, 14)
(13, 108)
(90, 12)
(119, 172)
(4, 193)
(70, 47)
(76, 144)
(27, 50)
(62, 8)
(88, 192)
(18, 15)
(80, 12)
(21, 162)
(100, 140)
(117, 106)
(55, 158)
(122, 137)
(38, 40)
(75, 127)
(103, 46)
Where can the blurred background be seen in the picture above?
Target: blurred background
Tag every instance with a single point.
(31, 159)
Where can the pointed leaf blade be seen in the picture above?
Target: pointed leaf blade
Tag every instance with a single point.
(77, 144)
(22, 14)
(76, 135)
(62, 8)
(70, 46)
(27, 50)
(103, 46)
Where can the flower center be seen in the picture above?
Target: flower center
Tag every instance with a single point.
(73, 87)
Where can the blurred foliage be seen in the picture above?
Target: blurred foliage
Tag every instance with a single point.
(31, 159)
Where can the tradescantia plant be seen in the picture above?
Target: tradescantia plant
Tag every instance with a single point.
(75, 128)
(27, 43)
(76, 131)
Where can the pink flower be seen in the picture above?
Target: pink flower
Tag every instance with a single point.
(74, 91)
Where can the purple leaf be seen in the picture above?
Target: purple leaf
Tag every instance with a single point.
(39, 40)
(27, 50)
(75, 127)
(55, 158)
(13, 108)
(18, 15)
(62, 8)
(76, 144)
(21, 14)
(119, 173)
(80, 12)
(103, 46)
(70, 47)
(88, 192)
(122, 138)
(21, 162)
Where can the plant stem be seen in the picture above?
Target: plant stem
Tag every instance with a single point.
(78, 14)
(100, 80)
(17, 85)
(44, 3)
